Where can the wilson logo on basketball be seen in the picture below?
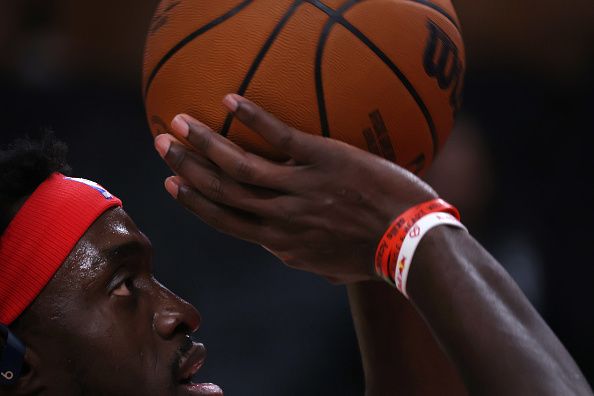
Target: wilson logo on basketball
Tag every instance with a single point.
(442, 62)
(327, 68)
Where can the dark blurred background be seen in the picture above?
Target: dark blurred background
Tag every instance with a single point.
(519, 165)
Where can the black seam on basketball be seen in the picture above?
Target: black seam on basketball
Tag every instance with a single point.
(191, 37)
(407, 84)
(260, 57)
(437, 8)
(171, 6)
(324, 127)
(326, 4)
(391, 65)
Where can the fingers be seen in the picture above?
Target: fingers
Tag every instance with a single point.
(299, 145)
(218, 187)
(175, 153)
(202, 175)
(220, 217)
(242, 166)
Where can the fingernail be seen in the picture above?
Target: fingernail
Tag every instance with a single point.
(180, 125)
(172, 186)
(230, 102)
(162, 144)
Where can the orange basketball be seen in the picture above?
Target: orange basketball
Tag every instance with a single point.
(382, 75)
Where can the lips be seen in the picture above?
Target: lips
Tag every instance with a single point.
(190, 362)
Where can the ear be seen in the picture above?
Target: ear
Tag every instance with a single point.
(29, 382)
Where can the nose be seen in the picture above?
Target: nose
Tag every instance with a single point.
(175, 316)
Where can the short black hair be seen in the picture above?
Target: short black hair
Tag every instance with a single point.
(24, 164)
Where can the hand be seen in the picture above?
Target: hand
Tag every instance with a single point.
(323, 211)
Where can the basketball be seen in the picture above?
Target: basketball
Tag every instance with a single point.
(382, 75)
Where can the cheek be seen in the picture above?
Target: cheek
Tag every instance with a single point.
(114, 350)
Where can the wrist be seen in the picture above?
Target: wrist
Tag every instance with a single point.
(396, 249)
(435, 258)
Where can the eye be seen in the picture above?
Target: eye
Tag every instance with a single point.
(124, 289)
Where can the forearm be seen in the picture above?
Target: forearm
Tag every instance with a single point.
(495, 337)
(399, 354)
(324, 214)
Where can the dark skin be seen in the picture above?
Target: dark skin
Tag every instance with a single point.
(325, 210)
(88, 310)
(105, 326)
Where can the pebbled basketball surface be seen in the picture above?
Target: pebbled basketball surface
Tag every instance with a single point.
(383, 75)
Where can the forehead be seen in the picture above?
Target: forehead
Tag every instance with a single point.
(114, 226)
(110, 233)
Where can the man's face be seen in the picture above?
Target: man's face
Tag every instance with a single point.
(105, 326)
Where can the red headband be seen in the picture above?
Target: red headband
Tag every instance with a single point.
(41, 236)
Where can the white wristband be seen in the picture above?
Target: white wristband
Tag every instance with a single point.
(412, 239)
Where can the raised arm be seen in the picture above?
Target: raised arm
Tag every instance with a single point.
(400, 356)
(325, 211)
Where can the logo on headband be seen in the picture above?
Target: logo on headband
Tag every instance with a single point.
(93, 185)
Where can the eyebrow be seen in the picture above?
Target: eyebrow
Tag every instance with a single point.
(124, 250)
(110, 259)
